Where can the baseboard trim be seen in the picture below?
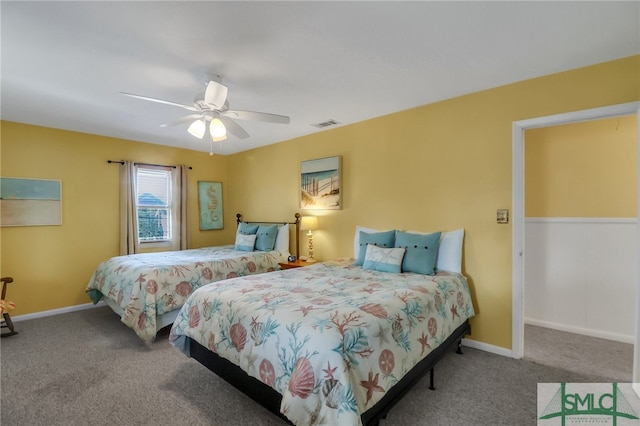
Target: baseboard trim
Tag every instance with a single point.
(59, 311)
(579, 330)
(474, 344)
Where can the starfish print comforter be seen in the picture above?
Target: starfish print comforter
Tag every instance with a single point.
(150, 284)
(331, 338)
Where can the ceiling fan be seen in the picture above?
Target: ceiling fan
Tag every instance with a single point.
(212, 107)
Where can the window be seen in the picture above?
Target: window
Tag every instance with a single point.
(157, 204)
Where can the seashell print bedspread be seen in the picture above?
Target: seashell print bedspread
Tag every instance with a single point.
(149, 284)
(331, 338)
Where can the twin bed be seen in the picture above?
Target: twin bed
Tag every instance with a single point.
(335, 342)
(147, 290)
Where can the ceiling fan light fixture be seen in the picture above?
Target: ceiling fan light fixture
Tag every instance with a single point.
(211, 110)
(217, 130)
(197, 128)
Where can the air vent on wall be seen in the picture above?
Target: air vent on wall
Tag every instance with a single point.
(327, 123)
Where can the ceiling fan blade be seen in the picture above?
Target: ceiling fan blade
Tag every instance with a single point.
(234, 128)
(146, 98)
(215, 95)
(182, 120)
(257, 116)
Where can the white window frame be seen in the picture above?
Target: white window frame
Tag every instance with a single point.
(173, 243)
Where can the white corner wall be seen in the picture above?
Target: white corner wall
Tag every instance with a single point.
(581, 274)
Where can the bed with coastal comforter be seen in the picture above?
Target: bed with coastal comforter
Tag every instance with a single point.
(147, 289)
(332, 343)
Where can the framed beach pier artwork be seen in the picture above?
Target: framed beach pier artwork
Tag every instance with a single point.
(210, 204)
(321, 184)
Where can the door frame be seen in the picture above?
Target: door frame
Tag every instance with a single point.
(519, 127)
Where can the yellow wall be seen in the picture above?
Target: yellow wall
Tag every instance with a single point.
(438, 167)
(582, 169)
(52, 264)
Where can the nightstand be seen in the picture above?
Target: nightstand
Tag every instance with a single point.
(296, 264)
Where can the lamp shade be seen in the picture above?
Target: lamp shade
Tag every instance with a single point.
(217, 130)
(197, 128)
(309, 223)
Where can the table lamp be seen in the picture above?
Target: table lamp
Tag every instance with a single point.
(309, 224)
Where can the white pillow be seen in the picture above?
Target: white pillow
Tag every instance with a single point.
(450, 250)
(282, 240)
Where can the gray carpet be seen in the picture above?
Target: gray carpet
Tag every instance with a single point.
(578, 353)
(86, 368)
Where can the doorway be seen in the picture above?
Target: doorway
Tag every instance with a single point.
(580, 246)
(519, 128)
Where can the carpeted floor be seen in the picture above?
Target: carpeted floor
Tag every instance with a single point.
(578, 353)
(86, 368)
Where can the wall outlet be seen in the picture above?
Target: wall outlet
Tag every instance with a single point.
(503, 215)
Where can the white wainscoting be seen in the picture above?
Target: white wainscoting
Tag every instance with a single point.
(580, 275)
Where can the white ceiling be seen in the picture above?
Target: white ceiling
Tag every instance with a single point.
(64, 64)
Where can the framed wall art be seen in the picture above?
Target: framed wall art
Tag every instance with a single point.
(321, 184)
(210, 205)
(30, 202)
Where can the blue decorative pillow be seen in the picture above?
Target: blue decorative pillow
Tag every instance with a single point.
(247, 229)
(245, 242)
(383, 259)
(266, 237)
(422, 251)
(380, 239)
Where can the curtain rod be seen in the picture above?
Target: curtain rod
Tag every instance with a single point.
(145, 164)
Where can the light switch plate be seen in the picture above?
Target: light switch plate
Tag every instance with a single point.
(503, 215)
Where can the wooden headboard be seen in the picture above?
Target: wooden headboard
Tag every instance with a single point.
(296, 222)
